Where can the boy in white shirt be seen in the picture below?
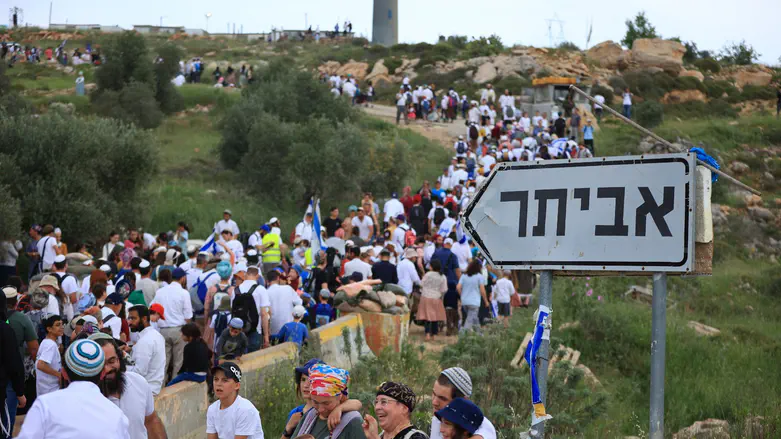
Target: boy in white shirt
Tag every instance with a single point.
(48, 361)
(231, 415)
(504, 291)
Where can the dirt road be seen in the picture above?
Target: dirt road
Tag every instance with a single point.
(443, 133)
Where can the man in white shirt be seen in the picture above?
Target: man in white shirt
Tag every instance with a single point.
(263, 305)
(598, 106)
(460, 146)
(304, 229)
(178, 311)
(79, 411)
(109, 314)
(364, 223)
(275, 225)
(474, 113)
(446, 228)
(47, 248)
(455, 383)
(227, 223)
(408, 274)
(399, 235)
(427, 93)
(488, 94)
(282, 298)
(393, 207)
(463, 253)
(134, 398)
(69, 287)
(487, 160)
(460, 176)
(146, 284)
(349, 89)
(194, 273)
(506, 100)
(358, 264)
(446, 180)
(149, 351)
(233, 244)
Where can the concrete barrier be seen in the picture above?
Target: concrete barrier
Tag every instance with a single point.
(182, 407)
(342, 342)
(385, 330)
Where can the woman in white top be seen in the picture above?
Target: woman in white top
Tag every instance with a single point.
(627, 103)
(109, 246)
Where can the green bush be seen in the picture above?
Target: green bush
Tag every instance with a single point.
(568, 46)
(392, 64)
(458, 41)
(87, 179)
(689, 83)
(639, 28)
(513, 83)
(649, 86)
(484, 47)
(359, 41)
(717, 88)
(127, 60)
(606, 92)
(741, 54)
(165, 69)
(708, 65)
(649, 114)
(134, 104)
(751, 92)
(618, 84)
(696, 109)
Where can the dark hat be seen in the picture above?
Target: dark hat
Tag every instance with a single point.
(400, 392)
(231, 370)
(114, 299)
(463, 413)
(304, 370)
(178, 273)
(356, 277)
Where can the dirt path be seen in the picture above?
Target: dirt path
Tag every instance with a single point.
(443, 133)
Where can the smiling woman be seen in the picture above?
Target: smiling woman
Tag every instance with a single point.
(328, 389)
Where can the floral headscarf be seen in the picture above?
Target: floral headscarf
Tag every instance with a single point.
(328, 381)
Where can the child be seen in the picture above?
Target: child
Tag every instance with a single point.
(48, 361)
(323, 311)
(220, 318)
(309, 306)
(294, 331)
(232, 343)
(231, 415)
(504, 291)
(156, 312)
(195, 364)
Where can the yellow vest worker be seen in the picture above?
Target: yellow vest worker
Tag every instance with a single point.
(308, 259)
(272, 255)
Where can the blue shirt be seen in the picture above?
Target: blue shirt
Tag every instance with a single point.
(470, 289)
(588, 133)
(322, 314)
(449, 263)
(293, 331)
(437, 193)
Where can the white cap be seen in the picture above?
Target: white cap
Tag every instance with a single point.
(448, 241)
(366, 249)
(191, 249)
(160, 249)
(252, 252)
(144, 264)
(299, 311)
(225, 257)
(105, 268)
(171, 255)
(57, 230)
(350, 243)
(240, 267)
(273, 220)
(90, 319)
(59, 259)
(461, 137)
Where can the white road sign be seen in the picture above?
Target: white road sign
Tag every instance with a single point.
(631, 214)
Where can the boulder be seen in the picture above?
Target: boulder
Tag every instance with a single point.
(507, 65)
(752, 77)
(356, 69)
(719, 216)
(739, 167)
(681, 96)
(607, 54)
(693, 73)
(378, 69)
(761, 213)
(480, 60)
(485, 73)
(381, 81)
(703, 330)
(707, 429)
(656, 52)
(330, 67)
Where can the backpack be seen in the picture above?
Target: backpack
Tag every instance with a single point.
(220, 322)
(439, 215)
(198, 293)
(86, 301)
(243, 238)
(509, 113)
(244, 308)
(36, 317)
(461, 147)
(473, 132)
(409, 235)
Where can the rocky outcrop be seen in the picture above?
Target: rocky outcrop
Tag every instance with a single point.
(655, 52)
(353, 68)
(378, 69)
(507, 65)
(707, 429)
(485, 73)
(681, 96)
(703, 330)
(693, 73)
(751, 76)
(607, 54)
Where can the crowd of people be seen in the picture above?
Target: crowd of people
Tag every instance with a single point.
(11, 53)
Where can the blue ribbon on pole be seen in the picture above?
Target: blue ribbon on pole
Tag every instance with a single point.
(538, 413)
(704, 157)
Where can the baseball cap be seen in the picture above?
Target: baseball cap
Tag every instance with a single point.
(178, 273)
(114, 299)
(273, 220)
(299, 311)
(231, 370)
(448, 241)
(236, 323)
(10, 292)
(304, 370)
(158, 309)
(325, 293)
(353, 208)
(265, 228)
(228, 211)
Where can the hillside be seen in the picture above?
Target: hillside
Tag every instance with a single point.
(732, 376)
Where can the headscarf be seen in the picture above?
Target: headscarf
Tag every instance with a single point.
(126, 255)
(400, 392)
(328, 381)
(224, 269)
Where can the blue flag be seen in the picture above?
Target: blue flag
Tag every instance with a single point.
(211, 244)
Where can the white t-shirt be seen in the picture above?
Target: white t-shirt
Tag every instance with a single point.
(600, 99)
(47, 249)
(357, 265)
(392, 209)
(236, 248)
(458, 176)
(363, 227)
(504, 290)
(627, 98)
(136, 403)
(49, 353)
(349, 88)
(282, 299)
(486, 430)
(304, 230)
(446, 227)
(115, 323)
(241, 418)
(463, 253)
(229, 225)
(54, 305)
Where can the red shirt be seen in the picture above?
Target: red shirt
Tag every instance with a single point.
(407, 202)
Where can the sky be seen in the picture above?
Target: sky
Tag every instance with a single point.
(711, 24)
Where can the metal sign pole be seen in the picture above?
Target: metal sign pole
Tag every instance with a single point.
(658, 326)
(546, 299)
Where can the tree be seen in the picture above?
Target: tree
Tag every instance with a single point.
(165, 69)
(741, 54)
(84, 175)
(127, 60)
(639, 28)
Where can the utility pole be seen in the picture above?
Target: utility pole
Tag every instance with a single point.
(50, 13)
(208, 15)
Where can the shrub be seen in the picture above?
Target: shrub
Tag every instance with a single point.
(513, 83)
(87, 178)
(618, 84)
(606, 92)
(458, 41)
(359, 41)
(568, 46)
(484, 47)
(708, 65)
(697, 109)
(717, 89)
(134, 104)
(392, 64)
(741, 54)
(127, 60)
(649, 86)
(689, 83)
(165, 69)
(751, 92)
(639, 28)
(649, 114)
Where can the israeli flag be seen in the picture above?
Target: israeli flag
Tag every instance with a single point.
(314, 209)
(460, 235)
(211, 244)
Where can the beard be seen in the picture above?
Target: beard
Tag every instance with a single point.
(113, 384)
(136, 328)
